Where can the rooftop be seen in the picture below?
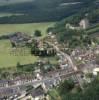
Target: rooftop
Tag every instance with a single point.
(39, 91)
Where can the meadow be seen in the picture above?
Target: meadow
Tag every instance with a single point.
(8, 59)
(9, 14)
(26, 28)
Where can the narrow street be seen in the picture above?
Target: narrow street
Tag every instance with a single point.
(71, 64)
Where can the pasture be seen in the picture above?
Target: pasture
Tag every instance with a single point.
(9, 14)
(26, 28)
(7, 57)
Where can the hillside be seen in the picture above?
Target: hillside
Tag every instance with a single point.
(7, 2)
(42, 10)
(76, 38)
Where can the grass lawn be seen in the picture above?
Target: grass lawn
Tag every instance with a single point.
(53, 60)
(6, 58)
(27, 28)
(54, 95)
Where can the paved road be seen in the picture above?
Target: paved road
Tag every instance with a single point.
(66, 56)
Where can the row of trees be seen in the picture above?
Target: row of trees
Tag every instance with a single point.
(43, 51)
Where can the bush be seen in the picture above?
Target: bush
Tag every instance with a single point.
(37, 33)
(66, 86)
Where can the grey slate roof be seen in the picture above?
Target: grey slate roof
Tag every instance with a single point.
(39, 91)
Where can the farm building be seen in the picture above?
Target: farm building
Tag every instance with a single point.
(84, 23)
(20, 39)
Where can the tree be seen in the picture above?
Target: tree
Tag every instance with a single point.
(91, 92)
(66, 86)
(18, 64)
(50, 29)
(5, 75)
(97, 60)
(37, 33)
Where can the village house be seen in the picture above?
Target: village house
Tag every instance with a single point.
(72, 27)
(9, 94)
(20, 39)
(37, 93)
(84, 24)
(96, 71)
(43, 49)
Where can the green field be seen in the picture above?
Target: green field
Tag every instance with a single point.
(9, 14)
(7, 59)
(27, 28)
(10, 59)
